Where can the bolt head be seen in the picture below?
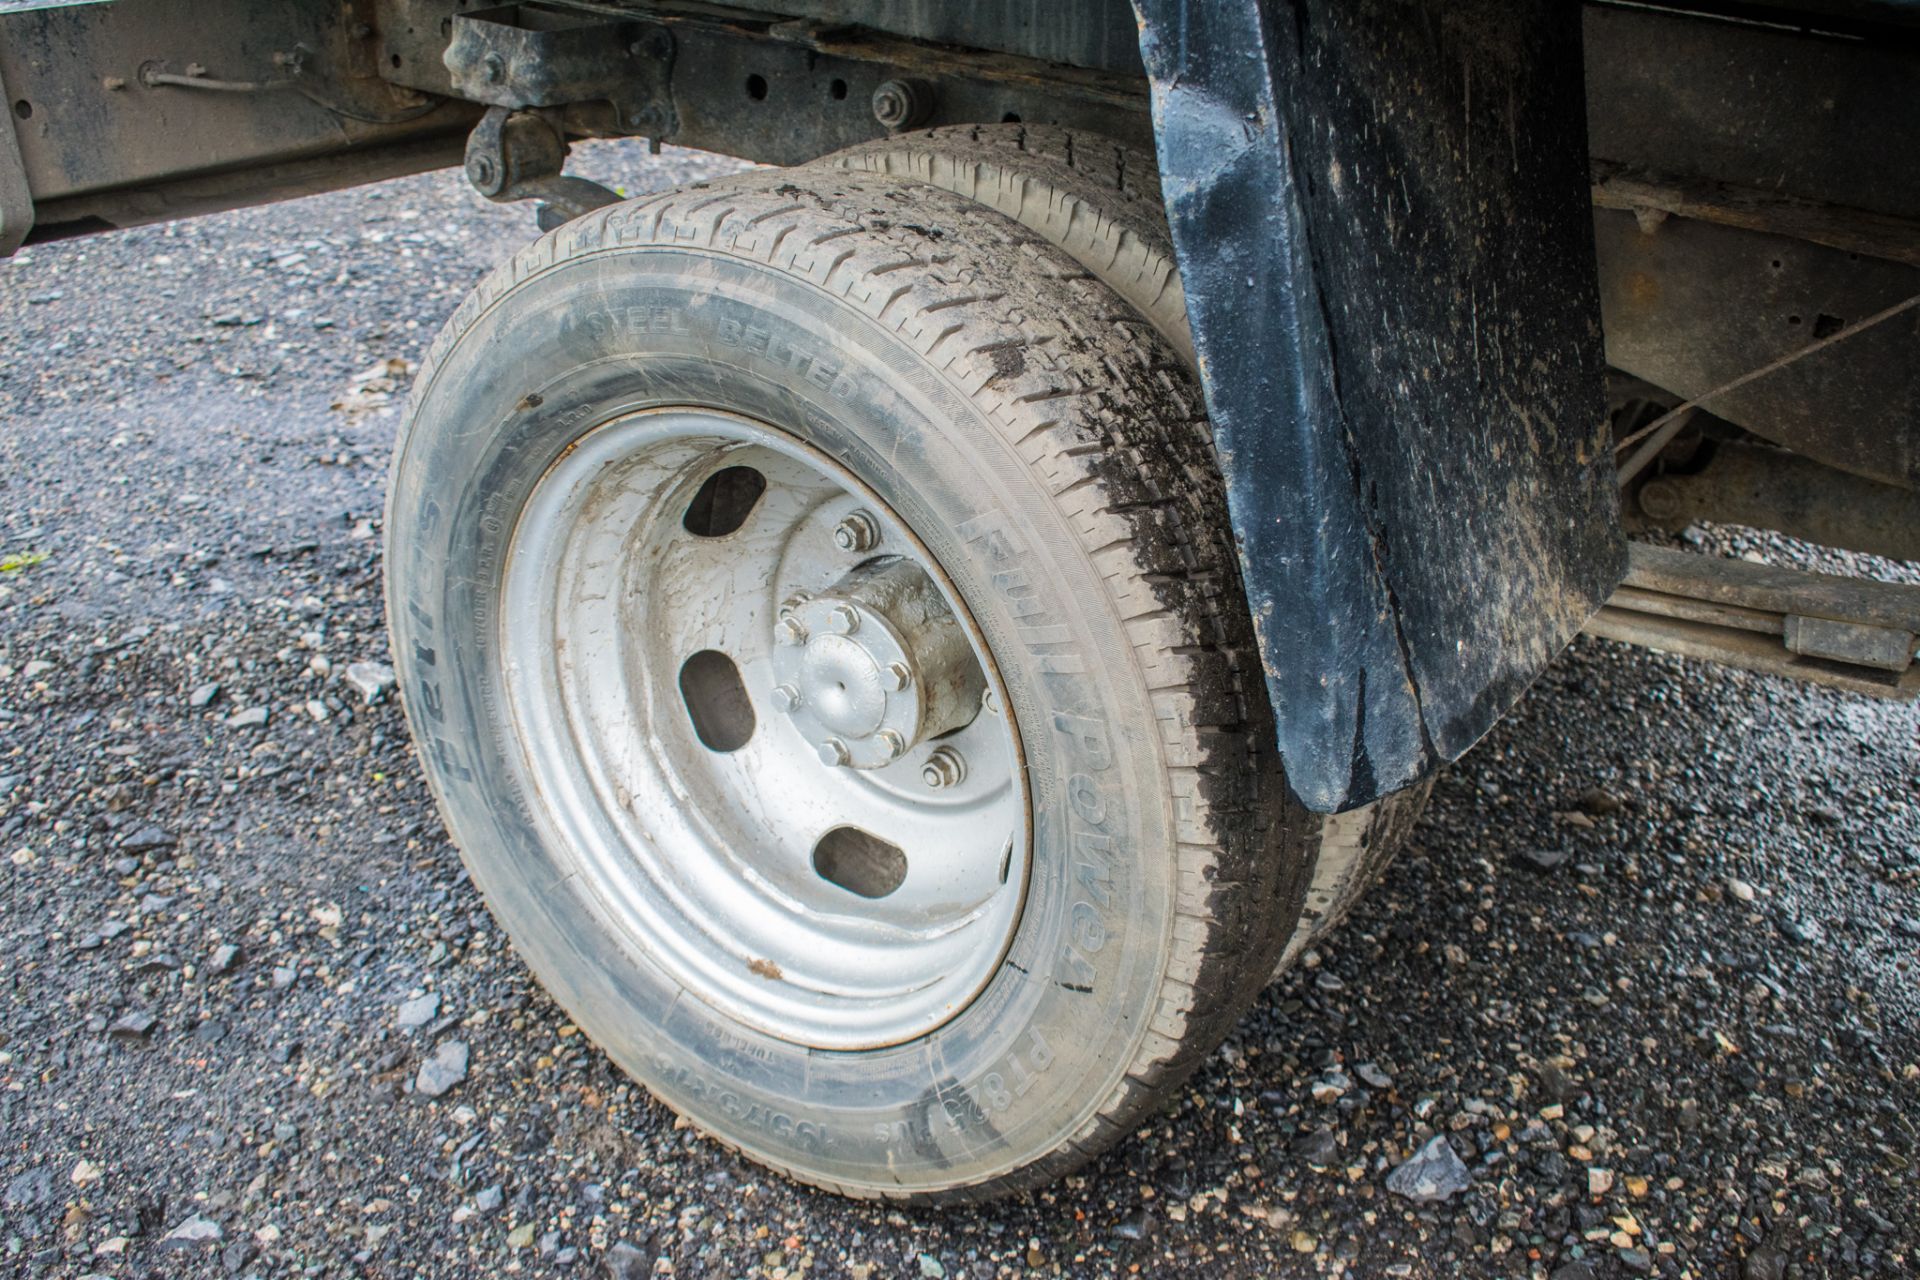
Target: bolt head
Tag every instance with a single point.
(790, 631)
(833, 752)
(898, 676)
(944, 768)
(891, 743)
(843, 619)
(856, 533)
(901, 104)
(786, 698)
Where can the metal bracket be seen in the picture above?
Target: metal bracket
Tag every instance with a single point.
(518, 155)
(1847, 633)
(16, 198)
(530, 55)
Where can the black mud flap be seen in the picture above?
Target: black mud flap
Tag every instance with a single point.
(1382, 217)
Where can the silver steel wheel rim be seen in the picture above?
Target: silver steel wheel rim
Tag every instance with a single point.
(708, 862)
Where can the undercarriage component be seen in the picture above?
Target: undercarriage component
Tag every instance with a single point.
(1690, 305)
(1767, 488)
(537, 55)
(518, 155)
(110, 136)
(1849, 633)
(1400, 336)
(766, 88)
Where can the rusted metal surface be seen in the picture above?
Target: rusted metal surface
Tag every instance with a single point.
(786, 90)
(1760, 106)
(536, 55)
(116, 123)
(1767, 488)
(1849, 633)
(1650, 197)
(518, 155)
(1690, 305)
(1383, 222)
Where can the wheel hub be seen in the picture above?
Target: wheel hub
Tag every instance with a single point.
(755, 716)
(874, 665)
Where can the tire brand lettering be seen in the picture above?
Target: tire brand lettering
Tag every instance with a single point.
(1086, 744)
(426, 696)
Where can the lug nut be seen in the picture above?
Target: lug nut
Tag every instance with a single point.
(891, 743)
(786, 698)
(944, 768)
(790, 631)
(856, 533)
(843, 619)
(833, 752)
(898, 677)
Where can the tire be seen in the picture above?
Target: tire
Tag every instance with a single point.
(1095, 198)
(1099, 200)
(1046, 452)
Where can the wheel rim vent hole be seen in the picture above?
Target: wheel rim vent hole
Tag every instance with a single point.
(757, 88)
(859, 862)
(724, 502)
(717, 701)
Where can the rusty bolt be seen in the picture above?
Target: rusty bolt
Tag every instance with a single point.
(902, 104)
(1661, 500)
(483, 174)
(856, 533)
(899, 676)
(944, 768)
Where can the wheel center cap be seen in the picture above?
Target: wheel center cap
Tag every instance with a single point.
(874, 665)
(841, 681)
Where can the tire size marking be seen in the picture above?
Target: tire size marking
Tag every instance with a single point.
(1085, 744)
(776, 1124)
(968, 1109)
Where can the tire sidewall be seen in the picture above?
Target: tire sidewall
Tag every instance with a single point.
(599, 335)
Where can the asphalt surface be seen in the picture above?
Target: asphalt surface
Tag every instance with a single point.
(1647, 967)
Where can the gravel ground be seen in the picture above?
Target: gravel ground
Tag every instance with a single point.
(1646, 970)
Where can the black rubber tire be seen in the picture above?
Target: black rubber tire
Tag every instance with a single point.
(1099, 201)
(1049, 448)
